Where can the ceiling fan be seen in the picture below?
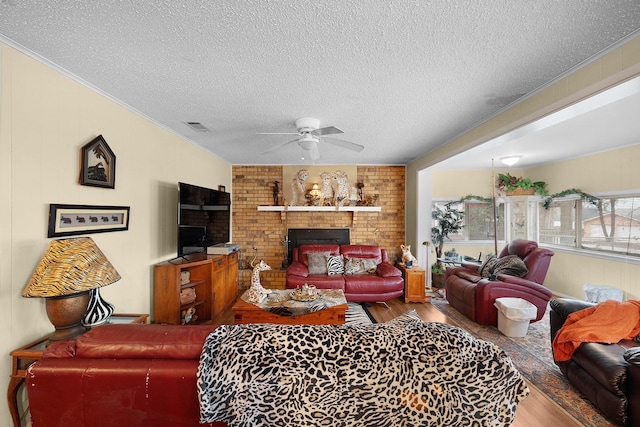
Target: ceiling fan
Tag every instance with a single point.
(310, 135)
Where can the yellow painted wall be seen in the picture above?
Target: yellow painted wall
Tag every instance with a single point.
(449, 184)
(45, 118)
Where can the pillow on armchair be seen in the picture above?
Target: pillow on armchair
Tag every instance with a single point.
(487, 266)
(511, 265)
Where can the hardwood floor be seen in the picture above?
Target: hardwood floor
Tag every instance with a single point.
(535, 411)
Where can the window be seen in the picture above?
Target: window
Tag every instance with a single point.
(614, 226)
(478, 220)
(557, 225)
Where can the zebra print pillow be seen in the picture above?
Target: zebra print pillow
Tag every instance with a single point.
(335, 264)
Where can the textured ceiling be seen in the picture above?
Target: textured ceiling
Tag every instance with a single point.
(400, 78)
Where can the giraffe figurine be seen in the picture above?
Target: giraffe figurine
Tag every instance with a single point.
(256, 293)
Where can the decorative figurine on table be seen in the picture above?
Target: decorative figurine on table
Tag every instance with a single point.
(407, 257)
(276, 192)
(285, 242)
(360, 186)
(299, 187)
(256, 293)
(345, 195)
(326, 194)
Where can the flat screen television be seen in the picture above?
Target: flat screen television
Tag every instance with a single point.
(204, 217)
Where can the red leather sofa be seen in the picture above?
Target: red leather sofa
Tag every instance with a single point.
(384, 285)
(474, 296)
(119, 375)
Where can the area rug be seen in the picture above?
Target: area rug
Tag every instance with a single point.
(357, 315)
(533, 358)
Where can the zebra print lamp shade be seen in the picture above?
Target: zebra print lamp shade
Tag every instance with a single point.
(67, 272)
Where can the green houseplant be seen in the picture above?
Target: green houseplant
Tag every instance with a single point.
(448, 220)
(520, 186)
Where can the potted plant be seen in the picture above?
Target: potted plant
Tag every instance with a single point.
(520, 186)
(448, 220)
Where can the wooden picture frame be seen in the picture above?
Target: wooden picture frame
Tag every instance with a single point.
(222, 188)
(71, 220)
(98, 167)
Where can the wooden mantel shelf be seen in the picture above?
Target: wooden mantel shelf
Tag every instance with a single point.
(320, 208)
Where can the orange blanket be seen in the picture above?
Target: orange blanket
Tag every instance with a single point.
(607, 322)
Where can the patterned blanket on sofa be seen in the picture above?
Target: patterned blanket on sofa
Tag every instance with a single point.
(405, 372)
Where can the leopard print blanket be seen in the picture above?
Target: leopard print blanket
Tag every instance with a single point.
(401, 373)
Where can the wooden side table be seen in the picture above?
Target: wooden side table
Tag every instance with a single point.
(23, 357)
(414, 284)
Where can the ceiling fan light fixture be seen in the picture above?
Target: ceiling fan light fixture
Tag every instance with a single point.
(308, 142)
(510, 160)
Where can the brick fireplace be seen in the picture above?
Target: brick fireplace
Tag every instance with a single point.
(252, 186)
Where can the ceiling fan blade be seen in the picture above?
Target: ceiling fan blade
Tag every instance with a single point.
(344, 144)
(275, 147)
(329, 130)
(277, 133)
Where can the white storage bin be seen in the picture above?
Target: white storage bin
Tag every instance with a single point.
(514, 315)
(599, 293)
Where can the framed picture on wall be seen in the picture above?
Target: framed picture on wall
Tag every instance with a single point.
(98, 167)
(71, 220)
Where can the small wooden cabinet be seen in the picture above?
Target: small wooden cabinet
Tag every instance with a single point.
(231, 279)
(214, 279)
(414, 284)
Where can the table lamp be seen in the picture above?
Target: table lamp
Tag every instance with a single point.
(68, 276)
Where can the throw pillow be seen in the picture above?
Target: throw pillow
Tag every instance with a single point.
(511, 265)
(370, 265)
(487, 266)
(353, 266)
(317, 262)
(335, 264)
(360, 266)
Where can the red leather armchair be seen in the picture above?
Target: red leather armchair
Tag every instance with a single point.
(474, 296)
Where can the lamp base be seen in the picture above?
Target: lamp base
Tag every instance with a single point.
(65, 314)
(98, 311)
(62, 334)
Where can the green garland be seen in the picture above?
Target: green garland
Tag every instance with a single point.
(583, 196)
(471, 197)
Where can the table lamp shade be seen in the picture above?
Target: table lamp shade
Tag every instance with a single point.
(70, 266)
(67, 272)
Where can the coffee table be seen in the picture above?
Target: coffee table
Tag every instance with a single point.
(245, 312)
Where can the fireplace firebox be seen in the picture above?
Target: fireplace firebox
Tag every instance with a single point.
(315, 236)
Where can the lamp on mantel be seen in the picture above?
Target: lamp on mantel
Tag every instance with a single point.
(68, 276)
